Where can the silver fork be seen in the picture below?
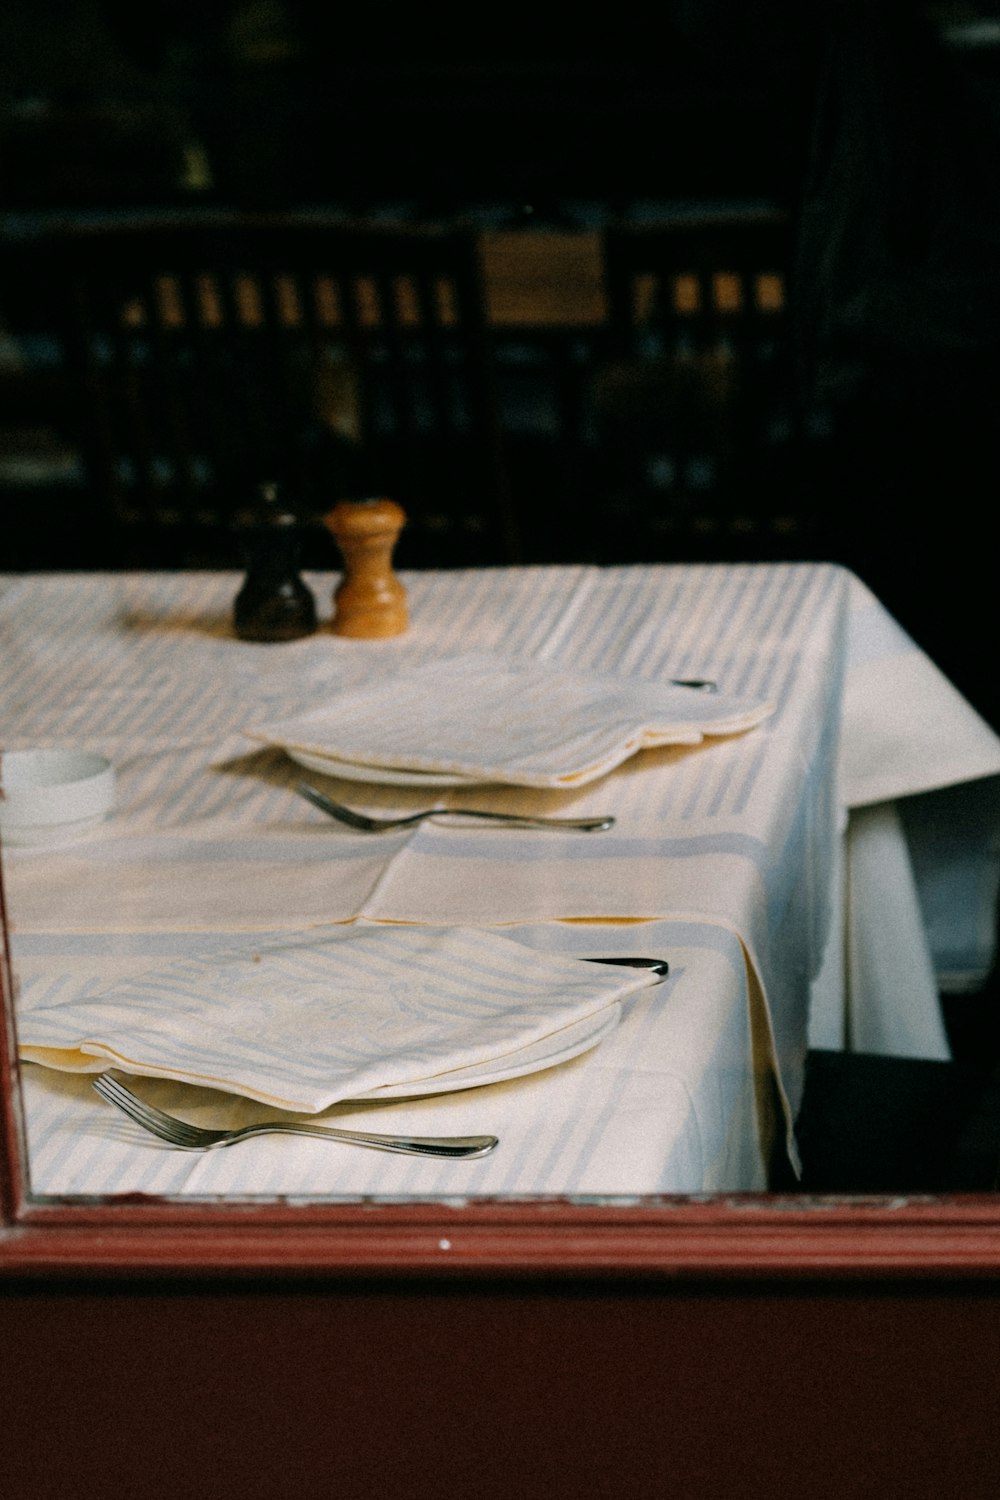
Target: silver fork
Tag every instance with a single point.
(382, 825)
(196, 1138)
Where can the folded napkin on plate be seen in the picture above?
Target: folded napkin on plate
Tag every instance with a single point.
(523, 723)
(305, 1023)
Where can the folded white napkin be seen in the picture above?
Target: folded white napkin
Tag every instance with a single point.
(305, 1023)
(524, 723)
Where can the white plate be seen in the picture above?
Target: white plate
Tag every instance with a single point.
(570, 1042)
(486, 718)
(348, 770)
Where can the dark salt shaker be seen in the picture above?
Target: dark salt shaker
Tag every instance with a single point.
(274, 604)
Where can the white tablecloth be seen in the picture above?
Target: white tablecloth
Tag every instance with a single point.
(916, 895)
(727, 859)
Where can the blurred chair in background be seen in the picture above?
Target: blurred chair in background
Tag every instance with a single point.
(209, 356)
(701, 433)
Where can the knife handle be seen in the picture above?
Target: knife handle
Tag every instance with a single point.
(658, 965)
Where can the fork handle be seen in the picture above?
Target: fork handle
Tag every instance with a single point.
(524, 820)
(413, 1145)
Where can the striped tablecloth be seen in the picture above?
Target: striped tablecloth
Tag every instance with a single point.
(725, 858)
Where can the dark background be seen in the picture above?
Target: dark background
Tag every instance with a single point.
(288, 104)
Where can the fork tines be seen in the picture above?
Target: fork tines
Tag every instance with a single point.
(177, 1132)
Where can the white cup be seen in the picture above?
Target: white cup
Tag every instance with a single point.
(50, 796)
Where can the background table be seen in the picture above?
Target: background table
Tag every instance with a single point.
(727, 855)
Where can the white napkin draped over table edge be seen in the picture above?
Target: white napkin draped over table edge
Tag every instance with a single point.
(527, 723)
(307, 1023)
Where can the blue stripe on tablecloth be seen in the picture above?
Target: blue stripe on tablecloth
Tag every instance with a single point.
(175, 849)
(568, 847)
(139, 944)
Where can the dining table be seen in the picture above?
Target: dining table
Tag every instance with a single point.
(812, 880)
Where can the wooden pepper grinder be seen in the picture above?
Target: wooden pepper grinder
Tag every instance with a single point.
(369, 602)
